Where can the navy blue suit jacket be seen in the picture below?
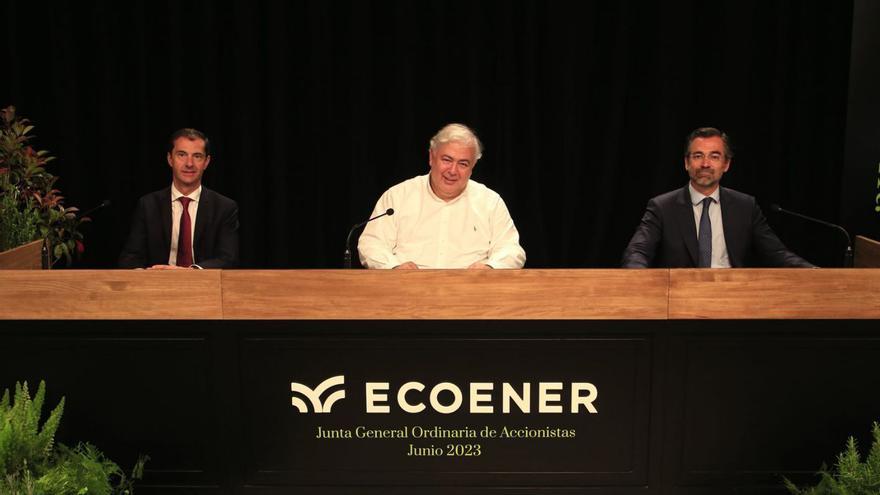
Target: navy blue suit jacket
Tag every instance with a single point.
(215, 243)
(667, 234)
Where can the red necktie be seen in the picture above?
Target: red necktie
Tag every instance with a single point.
(184, 235)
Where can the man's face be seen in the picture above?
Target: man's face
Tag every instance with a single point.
(706, 162)
(188, 162)
(451, 167)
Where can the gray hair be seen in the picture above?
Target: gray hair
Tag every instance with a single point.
(459, 133)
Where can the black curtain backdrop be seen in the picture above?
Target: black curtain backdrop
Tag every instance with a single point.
(860, 201)
(314, 108)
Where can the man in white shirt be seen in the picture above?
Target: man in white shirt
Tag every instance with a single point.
(443, 219)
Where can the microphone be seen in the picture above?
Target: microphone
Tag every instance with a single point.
(347, 256)
(848, 256)
(103, 204)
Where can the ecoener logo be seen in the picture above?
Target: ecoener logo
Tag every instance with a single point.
(410, 397)
(314, 396)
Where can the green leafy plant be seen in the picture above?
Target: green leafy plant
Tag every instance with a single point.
(851, 476)
(30, 206)
(17, 225)
(31, 463)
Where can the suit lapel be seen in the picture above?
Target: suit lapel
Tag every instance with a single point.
(202, 220)
(165, 214)
(685, 216)
(729, 215)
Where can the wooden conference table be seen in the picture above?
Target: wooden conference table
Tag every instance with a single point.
(550, 381)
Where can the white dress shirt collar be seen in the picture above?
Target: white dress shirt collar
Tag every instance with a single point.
(195, 195)
(434, 196)
(697, 197)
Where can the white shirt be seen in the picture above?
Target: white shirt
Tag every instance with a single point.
(176, 213)
(474, 227)
(719, 247)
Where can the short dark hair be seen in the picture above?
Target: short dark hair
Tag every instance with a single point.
(191, 134)
(707, 132)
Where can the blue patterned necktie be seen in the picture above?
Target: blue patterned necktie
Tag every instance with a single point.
(705, 237)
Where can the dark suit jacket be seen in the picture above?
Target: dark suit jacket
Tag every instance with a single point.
(667, 235)
(215, 243)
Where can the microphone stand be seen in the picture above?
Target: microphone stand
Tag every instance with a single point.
(346, 257)
(103, 204)
(848, 255)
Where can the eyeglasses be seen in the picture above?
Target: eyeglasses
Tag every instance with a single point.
(714, 157)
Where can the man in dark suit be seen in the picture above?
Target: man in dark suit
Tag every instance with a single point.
(703, 224)
(185, 225)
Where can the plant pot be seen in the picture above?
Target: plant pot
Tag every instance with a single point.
(25, 257)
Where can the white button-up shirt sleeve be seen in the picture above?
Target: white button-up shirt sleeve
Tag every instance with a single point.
(504, 250)
(376, 244)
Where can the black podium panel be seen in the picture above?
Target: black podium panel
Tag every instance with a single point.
(129, 388)
(479, 411)
(330, 407)
(750, 407)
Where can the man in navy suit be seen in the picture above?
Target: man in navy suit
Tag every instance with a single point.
(185, 225)
(703, 224)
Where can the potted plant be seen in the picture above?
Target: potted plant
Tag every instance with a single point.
(31, 463)
(850, 475)
(30, 206)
